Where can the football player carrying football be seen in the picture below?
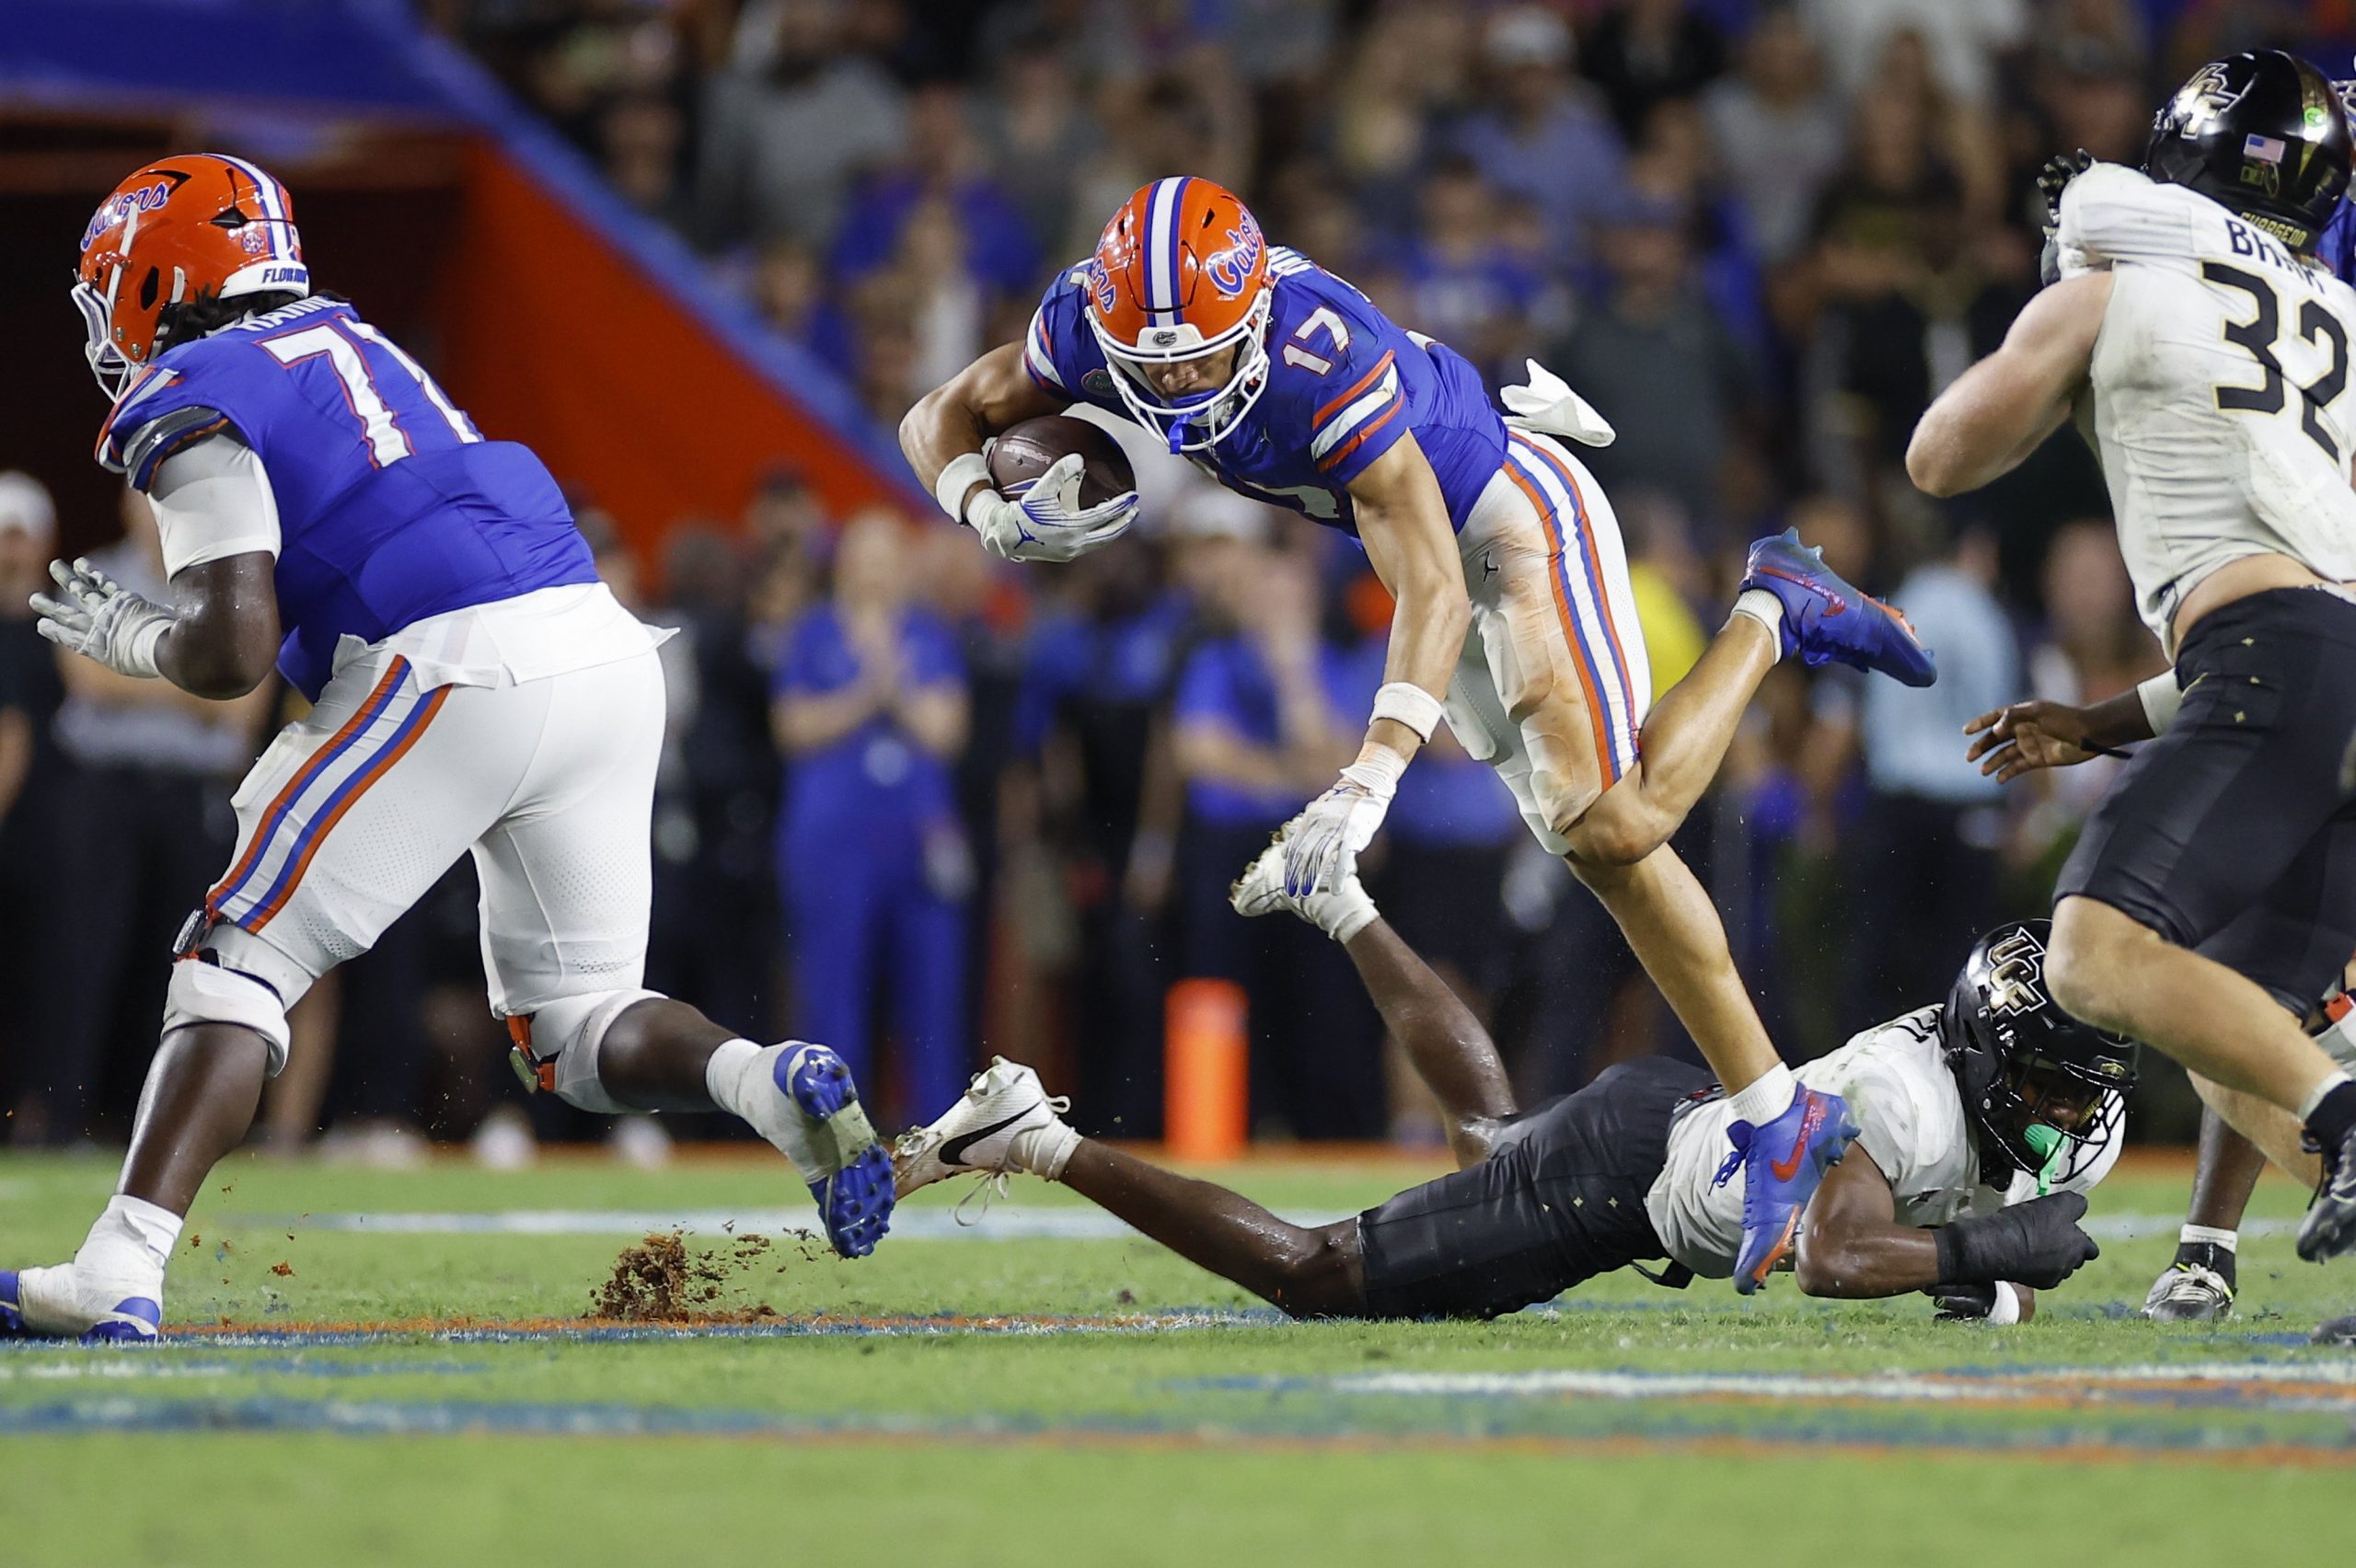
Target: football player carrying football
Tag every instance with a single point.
(2208, 903)
(1982, 1121)
(475, 690)
(1514, 616)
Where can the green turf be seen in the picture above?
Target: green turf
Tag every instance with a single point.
(1173, 1443)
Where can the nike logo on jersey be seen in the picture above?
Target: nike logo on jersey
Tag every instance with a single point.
(953, 1153)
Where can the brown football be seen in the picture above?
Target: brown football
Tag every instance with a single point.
(1031, 448)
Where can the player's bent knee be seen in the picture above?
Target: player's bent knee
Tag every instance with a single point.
(203, 992)
(562, 1037)
(1619, 830)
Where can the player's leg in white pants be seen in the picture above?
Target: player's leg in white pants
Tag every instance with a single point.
(1555, 691)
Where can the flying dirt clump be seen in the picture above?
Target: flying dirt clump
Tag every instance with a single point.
(660, 1280)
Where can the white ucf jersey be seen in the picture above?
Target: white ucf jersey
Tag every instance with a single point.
(2219, 380)
(1911, 1123)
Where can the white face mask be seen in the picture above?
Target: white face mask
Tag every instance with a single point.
(1194, 421)
(108, 363)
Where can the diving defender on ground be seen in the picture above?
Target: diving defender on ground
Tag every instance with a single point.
(1515, 620)
(1982, 1122)
(474, 688)
(2205, 353)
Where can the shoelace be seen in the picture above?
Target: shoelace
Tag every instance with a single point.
(2193, 1280)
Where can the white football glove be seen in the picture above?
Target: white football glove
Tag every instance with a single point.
(100, 619)
(1322, 842)
(1340, 914)
(1045, 520)
(1549, 407)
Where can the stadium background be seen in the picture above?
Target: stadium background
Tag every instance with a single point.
(702, 254)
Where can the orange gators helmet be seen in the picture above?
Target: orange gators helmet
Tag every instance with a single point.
(181, 229)
(1182, 271)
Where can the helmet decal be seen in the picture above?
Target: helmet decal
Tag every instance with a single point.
(124, 203)
(2016, 981)
(1230, 269)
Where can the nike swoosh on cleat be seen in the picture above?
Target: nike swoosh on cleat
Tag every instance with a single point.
(1810, 1119)
(953, 1152)
(1837, 605)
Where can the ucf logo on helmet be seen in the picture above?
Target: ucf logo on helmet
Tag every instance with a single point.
(1229, 268)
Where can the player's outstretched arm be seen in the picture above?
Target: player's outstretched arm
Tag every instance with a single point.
(1451, 1052)
(1853, 1247)
(1403, 521)
(2003, 409)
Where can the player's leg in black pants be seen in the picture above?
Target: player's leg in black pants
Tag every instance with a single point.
(2205, 822)
(1560, 1200)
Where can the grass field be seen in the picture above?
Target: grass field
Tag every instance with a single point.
(365, 1367)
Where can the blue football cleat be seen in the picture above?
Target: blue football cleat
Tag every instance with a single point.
(12, 1310)
(1826, 620)
(854, 1184)
(1783, 1162)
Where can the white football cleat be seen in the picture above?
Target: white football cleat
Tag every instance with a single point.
(57, 1303)
(1006, 1122)
(1341, 912)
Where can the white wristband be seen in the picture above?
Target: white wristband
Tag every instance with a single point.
(2007, 1307)
(1406, 703)
(2161, 699)
(965, 471)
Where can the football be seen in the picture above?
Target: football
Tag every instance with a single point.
(1031, 448)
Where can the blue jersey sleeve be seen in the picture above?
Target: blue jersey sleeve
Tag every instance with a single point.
(1340, 364)
(1059, 353)
(182, 398)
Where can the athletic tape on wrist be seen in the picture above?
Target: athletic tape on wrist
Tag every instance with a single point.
(1406, 703)
(2161, 699)
(965, 471)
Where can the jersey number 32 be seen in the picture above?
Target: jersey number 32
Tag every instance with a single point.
(2317, 325)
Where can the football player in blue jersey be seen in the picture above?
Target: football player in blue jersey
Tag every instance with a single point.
(475, 690)
(1514, 618)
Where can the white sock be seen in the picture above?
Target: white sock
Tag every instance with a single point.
(126, 1253)
(1043, 1151)
(2338, 1039)
(1766, 609)
(1766, 1097)
(2307, 1111)
(2207, 1236)
(742, 1078)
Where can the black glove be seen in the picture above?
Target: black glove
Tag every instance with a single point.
(2051, 180)
(1962, 1303)
(2037, 1243)
(2055, 176)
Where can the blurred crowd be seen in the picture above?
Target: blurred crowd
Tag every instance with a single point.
(927, 807)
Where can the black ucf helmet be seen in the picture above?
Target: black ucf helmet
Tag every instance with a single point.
(2264, 135)
(2048, 1093)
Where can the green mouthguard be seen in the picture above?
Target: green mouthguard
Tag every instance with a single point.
(2046, 1143)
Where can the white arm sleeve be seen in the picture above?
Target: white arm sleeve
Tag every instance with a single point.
(212, 499)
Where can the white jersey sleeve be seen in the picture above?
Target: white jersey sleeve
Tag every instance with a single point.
(2112, 214)
(213, 500)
